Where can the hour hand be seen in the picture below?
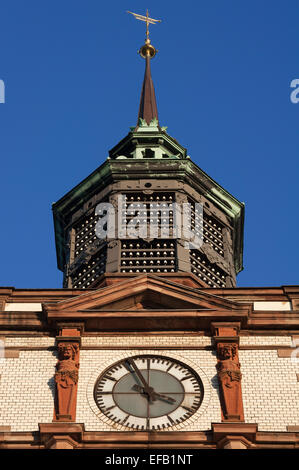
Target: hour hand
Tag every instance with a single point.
(138, 388)
(155, 395)
(164, 397)
(148, 391)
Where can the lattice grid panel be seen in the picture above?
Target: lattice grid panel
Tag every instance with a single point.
(158, 256)
(210, 273)
(210, 230)
(88, 272)
(85, 234)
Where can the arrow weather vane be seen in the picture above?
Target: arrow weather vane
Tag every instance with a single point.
(147, 49)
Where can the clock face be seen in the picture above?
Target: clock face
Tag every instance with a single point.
(148, 392)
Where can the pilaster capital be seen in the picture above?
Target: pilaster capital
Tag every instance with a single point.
(225, 332)
(61, 435)
(234, 435)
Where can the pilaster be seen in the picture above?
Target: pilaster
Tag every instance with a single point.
(226, 338)
(67, 371)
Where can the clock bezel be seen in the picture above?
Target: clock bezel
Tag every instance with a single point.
(158, 356)
(107, 424)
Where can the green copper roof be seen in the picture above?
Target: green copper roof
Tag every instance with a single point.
(171, 168)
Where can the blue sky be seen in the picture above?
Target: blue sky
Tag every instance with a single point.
(222, 78)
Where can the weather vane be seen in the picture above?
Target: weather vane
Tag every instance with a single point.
(147, 50)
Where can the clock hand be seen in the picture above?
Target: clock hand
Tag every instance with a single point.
(147, 389)
(141, 389)
(138, 388)
(160, 395)
(155, 394)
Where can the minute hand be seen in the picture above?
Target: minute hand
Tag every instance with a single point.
(149, 390)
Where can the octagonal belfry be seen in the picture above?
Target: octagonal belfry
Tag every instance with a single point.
(149, 167)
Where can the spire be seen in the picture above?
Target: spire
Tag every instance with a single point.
(148, 107)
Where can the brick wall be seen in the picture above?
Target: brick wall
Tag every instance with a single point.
(270, 390)
(26, 390)
(159, 340)
(270, 387)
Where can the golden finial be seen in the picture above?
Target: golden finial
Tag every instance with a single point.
(147, 49)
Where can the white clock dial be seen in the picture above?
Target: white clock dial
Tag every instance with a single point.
(148, 392)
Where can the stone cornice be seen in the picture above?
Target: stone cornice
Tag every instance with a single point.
(182, 299)
(74, 434)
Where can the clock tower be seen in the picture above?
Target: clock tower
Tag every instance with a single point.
(149, 343)
(149, 180)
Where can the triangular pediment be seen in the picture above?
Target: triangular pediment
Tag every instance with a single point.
(146, 292)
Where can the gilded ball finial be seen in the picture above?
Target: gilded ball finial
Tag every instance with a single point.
(147, 50)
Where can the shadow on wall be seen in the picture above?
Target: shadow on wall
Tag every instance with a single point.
(51, 381)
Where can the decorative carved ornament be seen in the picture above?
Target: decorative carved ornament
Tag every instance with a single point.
(66, 375)
(228, 371)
